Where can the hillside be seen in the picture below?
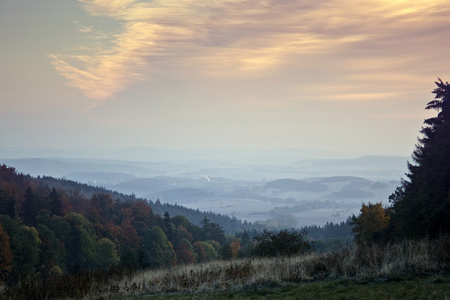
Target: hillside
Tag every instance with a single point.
(229, 224)
(407, 270)
(54, 227)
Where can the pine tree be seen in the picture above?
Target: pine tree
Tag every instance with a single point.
(29, 208)
(55, 203)
(421, 204)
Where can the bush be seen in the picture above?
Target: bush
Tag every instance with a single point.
(285, 242)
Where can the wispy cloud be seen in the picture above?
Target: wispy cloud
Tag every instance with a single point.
(248, 38)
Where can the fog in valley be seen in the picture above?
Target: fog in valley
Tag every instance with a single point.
(277, 188)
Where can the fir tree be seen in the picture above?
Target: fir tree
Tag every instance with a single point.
(55, 203)
(421, 204)
(29, 208)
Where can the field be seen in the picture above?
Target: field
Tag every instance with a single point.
(433, 287)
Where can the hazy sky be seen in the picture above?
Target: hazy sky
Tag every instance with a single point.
(338, 75)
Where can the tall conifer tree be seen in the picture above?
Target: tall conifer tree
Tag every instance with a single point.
(29, 208)
(422, 203)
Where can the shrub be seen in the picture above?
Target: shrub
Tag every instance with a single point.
(284, 242)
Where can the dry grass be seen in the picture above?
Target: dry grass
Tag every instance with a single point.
(390, 262)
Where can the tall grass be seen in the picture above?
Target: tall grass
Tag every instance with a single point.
(390, 262)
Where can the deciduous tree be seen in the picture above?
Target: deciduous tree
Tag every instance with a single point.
(185, 252)
(106, 254)
(6, 256)
(285, 242)
(157, 251)
(368, 227)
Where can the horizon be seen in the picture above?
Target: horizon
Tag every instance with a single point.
(154, 154)
(349, 79)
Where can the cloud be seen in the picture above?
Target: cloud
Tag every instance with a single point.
(243, 38)
(85, 29)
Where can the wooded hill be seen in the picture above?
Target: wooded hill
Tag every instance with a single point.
(55, 226)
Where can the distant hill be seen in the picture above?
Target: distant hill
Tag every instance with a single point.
(229, 224)
(295, 185)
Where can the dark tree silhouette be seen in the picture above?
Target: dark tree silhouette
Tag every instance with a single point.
(212, 232)
(55, 203)
(282, 243)
(29, 208)
(421, 204)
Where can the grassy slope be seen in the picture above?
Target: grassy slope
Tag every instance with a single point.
(433, 287)
(409, 270)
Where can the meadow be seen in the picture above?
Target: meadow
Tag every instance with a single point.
(408, 270)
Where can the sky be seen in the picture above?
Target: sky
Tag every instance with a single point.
(338, 76)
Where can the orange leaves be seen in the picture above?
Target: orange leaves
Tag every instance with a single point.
(370, 223)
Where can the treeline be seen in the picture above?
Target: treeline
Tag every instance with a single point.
(229, 224)
(48, 231)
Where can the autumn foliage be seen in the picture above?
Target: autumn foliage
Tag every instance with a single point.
(369, 226)
(50, 230)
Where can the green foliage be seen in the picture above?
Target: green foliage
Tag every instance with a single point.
(27, 254)
(157, 251)
(51, 251)
(24, 243)
(211, 253)
(422, 203)
(284, 242)
(212, 232)
(106, 254)
(81, 246)
(225, 252)
(61, 228)
(205, 251)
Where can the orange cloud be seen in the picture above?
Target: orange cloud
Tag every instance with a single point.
(240, 37)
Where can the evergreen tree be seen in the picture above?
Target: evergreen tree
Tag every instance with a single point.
(55, 203)
(169, 227)
(7, 201)
(212, 232)
(11, 207)
(29, 208)
(421, 204)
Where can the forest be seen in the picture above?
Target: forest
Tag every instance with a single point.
(52, 228)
